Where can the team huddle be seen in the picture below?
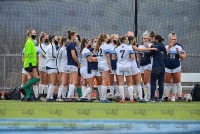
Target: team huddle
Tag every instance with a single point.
(68, 67)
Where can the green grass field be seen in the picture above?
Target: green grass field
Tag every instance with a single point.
(64, 110)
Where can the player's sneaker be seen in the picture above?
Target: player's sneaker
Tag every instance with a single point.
(23, 99)
(173, 98)
(132, 101)
(105, 101)
(142, 101)
(122, 101)
(179, 99)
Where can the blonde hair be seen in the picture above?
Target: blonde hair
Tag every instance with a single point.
(112, 36)
(29, 31)
(42, 34)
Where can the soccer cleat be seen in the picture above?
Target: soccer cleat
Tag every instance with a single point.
(105, 101)
(132, 101)
(50, 100)
(127, 99)
(59, 100)
(152, 100)
(22, 91)
(71, 100)
(23, 99)
(173, 98)
(179, 99)
(122, 101)
(29, 100)
(165, 99)
(84, 100)
(142, 101)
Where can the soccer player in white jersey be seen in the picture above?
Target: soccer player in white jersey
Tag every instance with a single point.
(86, 69)
(51, 54)
(145, 64)
(114, 38)
(104, 64)
(63, 69)
(43, 85)
(175, 52)
(124, 54)
(135, 68)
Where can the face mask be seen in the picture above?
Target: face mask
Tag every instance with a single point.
(115, 42)
(75, 40)
(56, 42)
(46, 41)
(35, 42)
(33, 36)
(94, 44)
(145, 43)
(108, 42)
(89, 46)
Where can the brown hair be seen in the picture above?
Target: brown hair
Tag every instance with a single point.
(29, 31)
(70, 34)
(93, 39)
(63, 40)
(101, 38)
(121, 40)
(83, 42)
(59, 40)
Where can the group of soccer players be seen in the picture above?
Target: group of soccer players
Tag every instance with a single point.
(69, 65)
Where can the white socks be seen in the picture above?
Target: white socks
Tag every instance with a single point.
(87, 93)
(148, 91)
(179, 87)
(167, 89)
(41, 88)
(121, 91)
(71, 91)
(35, 90)
(50, 91)
(46, 87)
(174, 89)
(139, 90)
(104, 92)
(83, 88)
(100, 92)
(130, 92)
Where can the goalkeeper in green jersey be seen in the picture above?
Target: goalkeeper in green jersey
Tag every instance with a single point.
(30, 64)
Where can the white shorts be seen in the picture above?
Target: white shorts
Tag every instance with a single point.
(178, 69)
(42, 69)
(146, 67)
(64, 69)
(24, 71)
(126, 71)
(135, 70)
(84, 73)
(50, 71)
(103, 67)
(96, 73)
(72, 69)
(113, 72)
